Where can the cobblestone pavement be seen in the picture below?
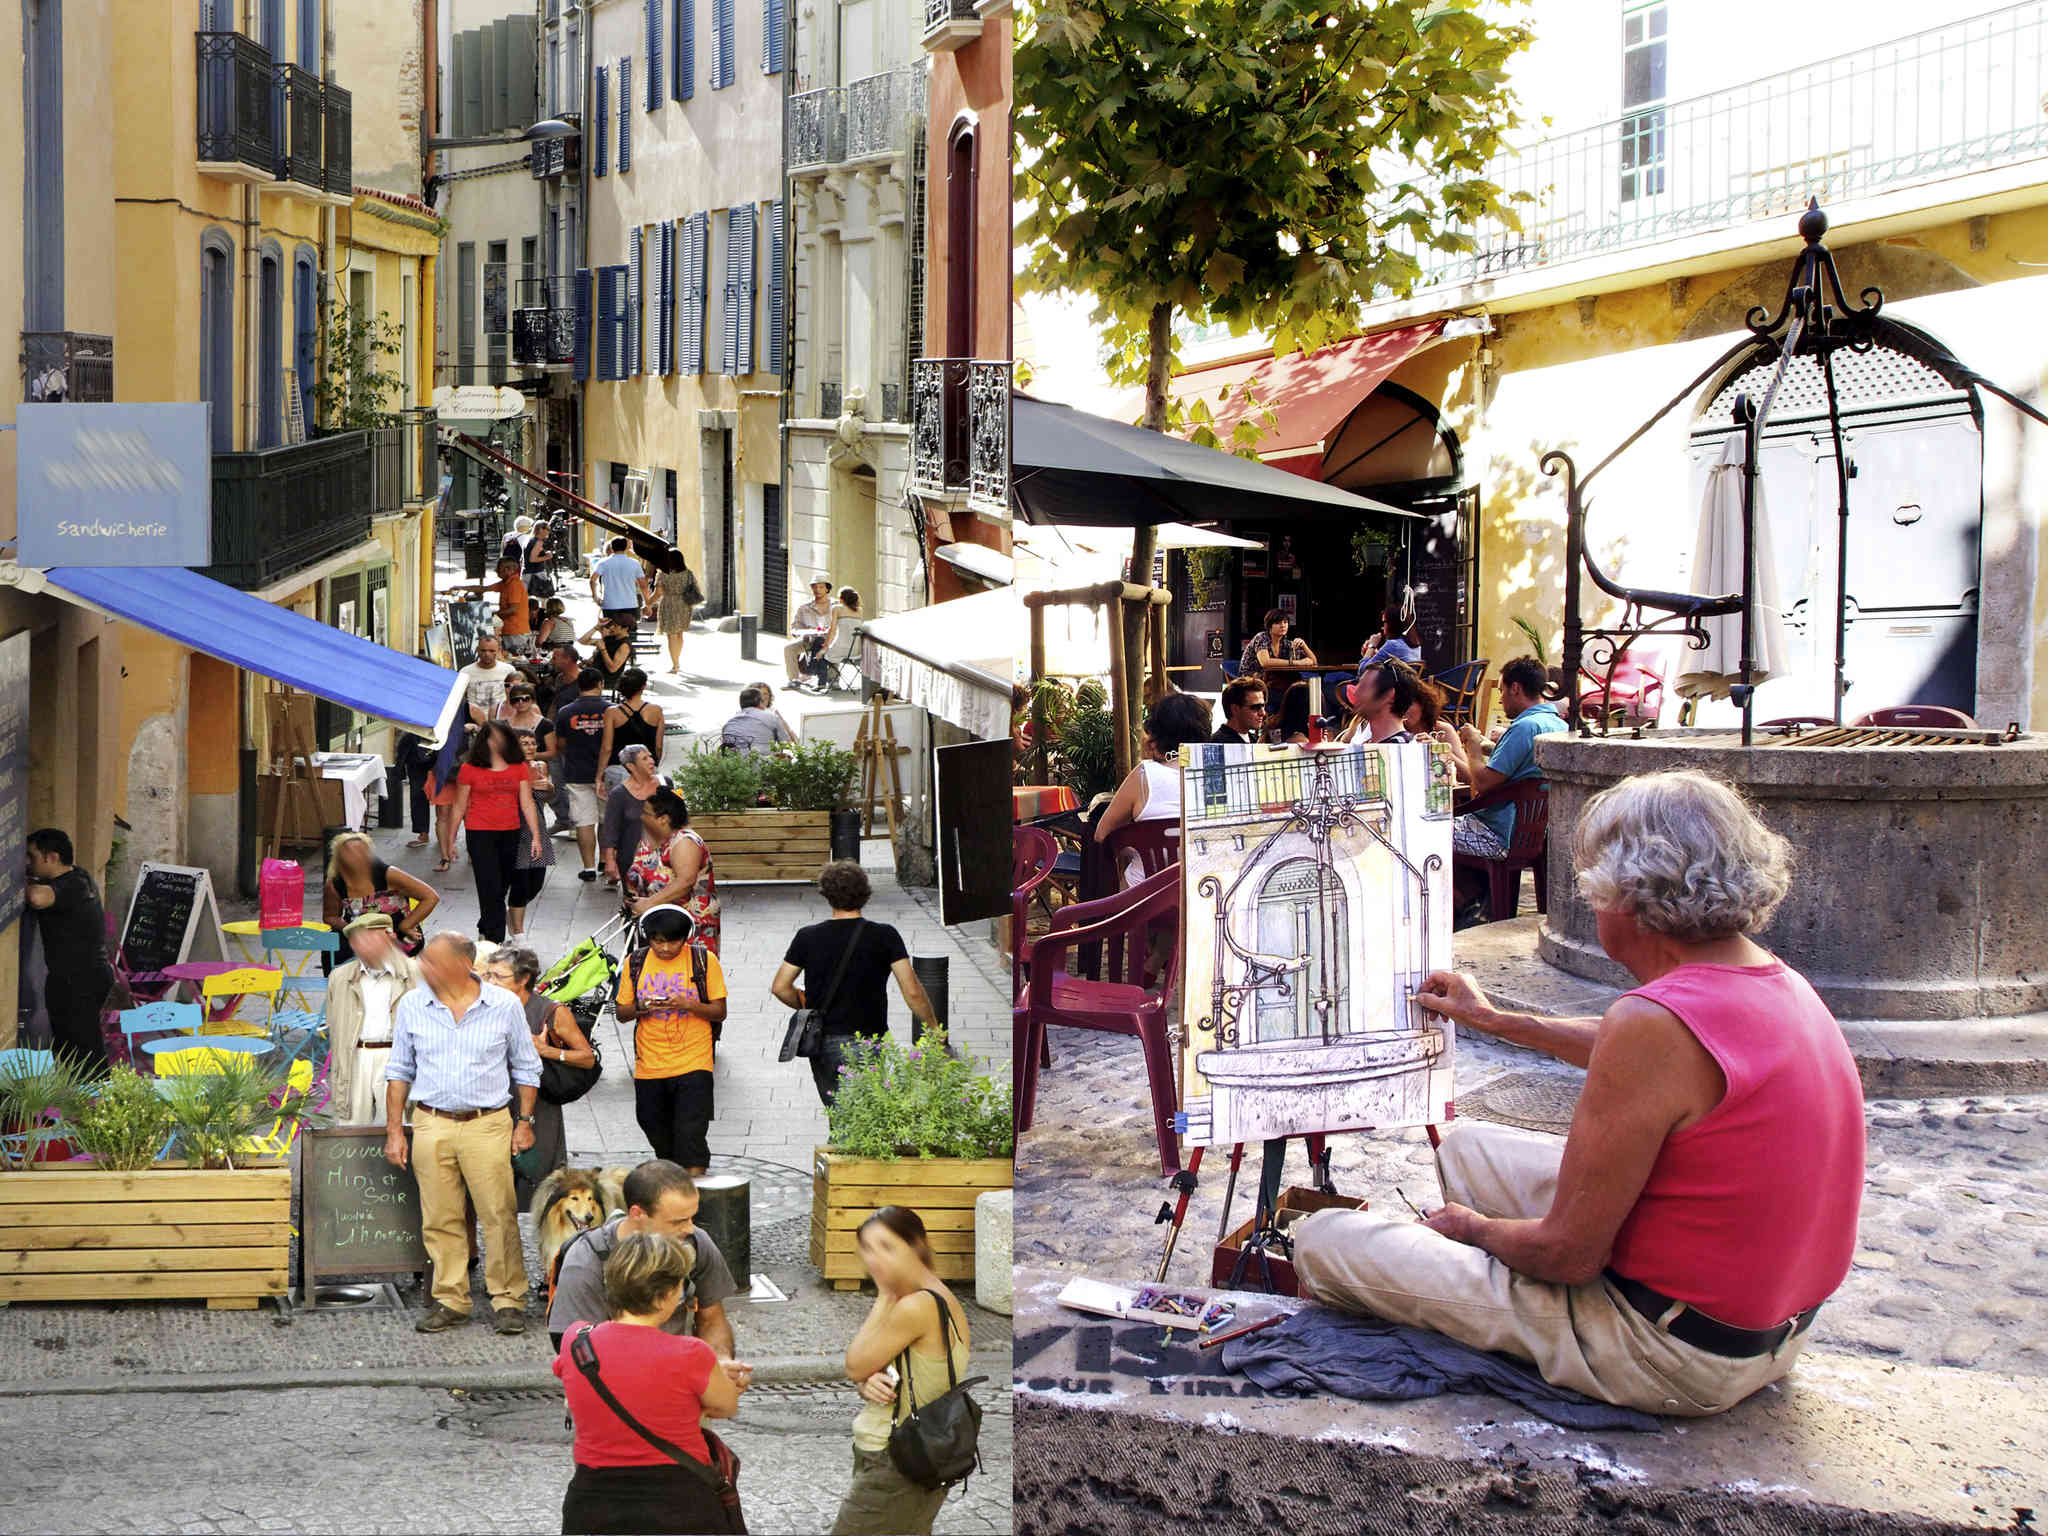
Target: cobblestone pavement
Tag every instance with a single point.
(404, 1459)
(1951, 1269)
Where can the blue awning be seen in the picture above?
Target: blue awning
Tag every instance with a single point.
(259, 637)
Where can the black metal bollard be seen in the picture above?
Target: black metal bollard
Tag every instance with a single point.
(724, 1211)
(931, 975)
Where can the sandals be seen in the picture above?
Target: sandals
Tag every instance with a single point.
(444, 866)
(418, 842)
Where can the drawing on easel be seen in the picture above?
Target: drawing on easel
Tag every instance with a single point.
(1317, 898)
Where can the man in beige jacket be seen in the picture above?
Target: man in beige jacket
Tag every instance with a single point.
(362, 999)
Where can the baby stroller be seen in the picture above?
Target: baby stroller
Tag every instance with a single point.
(586, 976)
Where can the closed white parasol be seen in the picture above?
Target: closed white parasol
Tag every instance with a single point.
(1717, 568)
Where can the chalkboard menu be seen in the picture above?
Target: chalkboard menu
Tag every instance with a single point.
(168, 898)
(358, 1215)
(14, 651)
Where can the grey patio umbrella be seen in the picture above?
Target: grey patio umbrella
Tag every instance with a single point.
(1067, 466)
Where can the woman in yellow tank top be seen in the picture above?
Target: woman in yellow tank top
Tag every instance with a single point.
(904, 1326)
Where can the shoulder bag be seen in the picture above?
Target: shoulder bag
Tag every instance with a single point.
(938, 1445)
(563, 1083)
(806, 1029)
(722, 1475)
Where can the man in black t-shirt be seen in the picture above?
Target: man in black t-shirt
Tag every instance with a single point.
(860, 1008)
(73, 927)
(572, 757)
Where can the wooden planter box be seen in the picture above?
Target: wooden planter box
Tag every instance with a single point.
(846, 1191)
(218, 1235)
(765, 845)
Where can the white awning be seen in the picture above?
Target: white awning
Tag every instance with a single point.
(955, 659)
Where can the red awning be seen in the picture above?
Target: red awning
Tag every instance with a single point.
(1310, 395)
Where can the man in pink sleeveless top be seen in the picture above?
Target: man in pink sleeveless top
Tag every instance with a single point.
(1671, 1252)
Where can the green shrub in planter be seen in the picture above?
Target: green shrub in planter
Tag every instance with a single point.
(216, 1114)
(919, 1101)
(711, 781)
(811, 776)
(121, 1123)
(28, 1096)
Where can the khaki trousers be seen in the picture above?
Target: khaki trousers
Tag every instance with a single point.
(473, 1158)
(1585, 1337)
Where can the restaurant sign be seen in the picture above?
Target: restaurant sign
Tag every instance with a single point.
(114, 485)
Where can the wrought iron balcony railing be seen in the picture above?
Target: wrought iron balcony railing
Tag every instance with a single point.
(238, 129)
(882, 112)
(387, 468)
(340, 142)
(557, 157)
(67, 365)
(938, 424)
(418, 477)
(303, 99)
(988, 437)
(950, 24)
(1967, 96)
(284, 509)
(817, 129)
(544, 323)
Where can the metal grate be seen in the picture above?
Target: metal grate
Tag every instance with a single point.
(1832, 736)
(914, 285)
(1881, 376)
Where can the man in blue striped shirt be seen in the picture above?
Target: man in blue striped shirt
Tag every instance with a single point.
(459, 1046)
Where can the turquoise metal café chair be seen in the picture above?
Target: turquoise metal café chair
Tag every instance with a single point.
(300, 979)
(162, 1017)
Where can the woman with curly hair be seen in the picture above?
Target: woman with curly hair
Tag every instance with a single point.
(1670, 1253)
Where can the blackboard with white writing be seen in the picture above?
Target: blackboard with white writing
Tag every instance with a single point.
(358, 1214)
(156, 934)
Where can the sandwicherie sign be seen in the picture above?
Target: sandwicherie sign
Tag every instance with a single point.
(114, 485)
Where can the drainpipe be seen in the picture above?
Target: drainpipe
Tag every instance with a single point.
(328, 219)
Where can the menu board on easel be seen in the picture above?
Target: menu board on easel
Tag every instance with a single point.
(172, 912)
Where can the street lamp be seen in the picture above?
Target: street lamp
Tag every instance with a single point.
(550, 128)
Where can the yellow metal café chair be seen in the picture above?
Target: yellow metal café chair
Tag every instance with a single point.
(278, 1140)
(226, 993)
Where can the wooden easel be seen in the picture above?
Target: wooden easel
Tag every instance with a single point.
(877, 749)
(286, 715)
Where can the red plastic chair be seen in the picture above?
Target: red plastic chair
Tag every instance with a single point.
(1633, 684)
(1129, 1003)
(1926, 717)
(1033, 852)
(1528, 848)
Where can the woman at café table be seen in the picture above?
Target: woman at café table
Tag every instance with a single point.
(1271, 644)
(1670, 1253)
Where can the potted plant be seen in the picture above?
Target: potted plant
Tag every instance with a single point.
(912, 1125)
(1081, 736)
(767, 816)
(123, 1221)
(33, 1092)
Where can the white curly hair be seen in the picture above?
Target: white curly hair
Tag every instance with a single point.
(1683, 854)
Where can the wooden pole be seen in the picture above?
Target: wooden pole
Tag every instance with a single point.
(1157, 630)
(1039, 745)
(1120, 692)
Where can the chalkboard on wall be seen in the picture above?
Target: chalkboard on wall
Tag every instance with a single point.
(358, 1215)
(171, 911)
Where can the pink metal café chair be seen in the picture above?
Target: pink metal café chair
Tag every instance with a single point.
(1926, 717)
(1034, 851)
(1633, 684)
(1130, 1002)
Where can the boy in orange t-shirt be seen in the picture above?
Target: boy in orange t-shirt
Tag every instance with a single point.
(515, 623)
(673, 994)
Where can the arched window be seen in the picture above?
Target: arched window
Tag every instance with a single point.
(962, 171)
(1302, 915)
(270, 350)
(305, 323)
(217, 335)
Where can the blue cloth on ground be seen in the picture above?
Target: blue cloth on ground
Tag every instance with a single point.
(1319, 1350)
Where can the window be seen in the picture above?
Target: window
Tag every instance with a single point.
(217, 336)
(682, 72)
(309, 35)
(625, 116)
(529, 259)
(694, 233)
(653, 54)
(405, 353)
(305, 325)
(465, 313)
(665, 298)
(777, 321)
(721, 30)
(270, 350)
(636, 286)
(42, 117)
(774, 36)
(740, 250)
(1644, 48)
(580, 361)
(497, 316)
(962, 173)
(600, 122)
(555, 105)
(270, 27)
(572, 66)
(611, 321)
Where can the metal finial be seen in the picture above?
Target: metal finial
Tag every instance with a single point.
(1813, 223)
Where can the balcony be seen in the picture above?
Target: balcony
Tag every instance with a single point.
(882, 113)
(286, 509)
(960, 431)
(950, 24)
(817, 131)
(544, 323)
(419, 478)
(299, 151)
(1954, 100)
(552, 158)
(988, 438)
(67, 365)
(237, 108)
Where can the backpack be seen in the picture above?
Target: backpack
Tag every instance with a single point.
(636, 962)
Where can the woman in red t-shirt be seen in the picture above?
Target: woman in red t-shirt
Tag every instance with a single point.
(669, 1383)
(493, 801)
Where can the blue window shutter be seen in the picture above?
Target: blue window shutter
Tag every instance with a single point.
(774, 35)
(653, 54)
(635, 287)
(697, 298)
(775, 280)
(729, 292)
(665, 296)
(600, 120)
(683, 67)
(582, 355)
(612, 317)
(625, 115)
(745, 222)
(721, 24)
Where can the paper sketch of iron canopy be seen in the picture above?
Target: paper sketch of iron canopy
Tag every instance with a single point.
(1316, 887)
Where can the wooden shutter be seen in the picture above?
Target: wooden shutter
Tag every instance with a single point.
(774, 35)
(582, 353)
(665, 298)
(692, 230)
(625, 115)
(635, 287)
(721, 25)
(729, 355)
(776, 318)
(744, 220)
(600, 120)
(683, 66)
(653, 54)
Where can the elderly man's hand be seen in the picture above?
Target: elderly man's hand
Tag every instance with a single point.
(1457, 997)
(1459, 1223)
